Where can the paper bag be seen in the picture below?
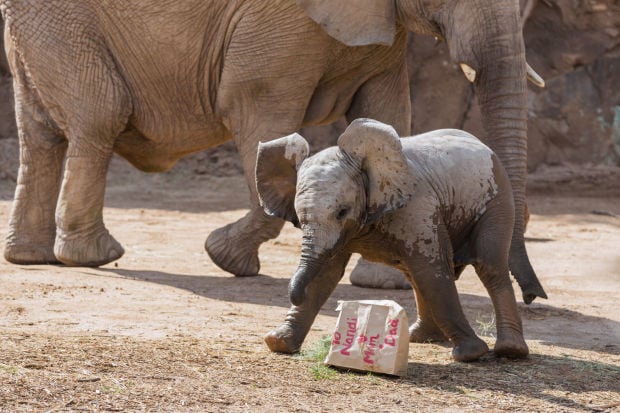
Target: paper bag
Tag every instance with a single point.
(371, 335)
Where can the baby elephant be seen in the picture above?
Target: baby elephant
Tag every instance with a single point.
(428, 205)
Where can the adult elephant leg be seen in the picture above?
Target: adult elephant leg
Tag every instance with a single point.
(100, 107)
(81, 238)
(265, 88)
(289, 337)
(386, 99)
(32, 228)
(234, 247)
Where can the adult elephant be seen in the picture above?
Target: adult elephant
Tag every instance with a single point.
(154, 81)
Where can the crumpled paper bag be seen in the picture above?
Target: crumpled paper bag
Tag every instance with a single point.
(370, 335)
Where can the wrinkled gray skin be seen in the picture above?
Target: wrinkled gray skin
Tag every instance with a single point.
(427, 205)
(154, 81)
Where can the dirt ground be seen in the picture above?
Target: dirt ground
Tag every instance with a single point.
(163, 329)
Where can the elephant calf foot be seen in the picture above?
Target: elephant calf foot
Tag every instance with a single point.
(374, 275)
(232, 254)
(511, 344)
(424, 332)
(29, 253)
(469, 350)
(87, 251)
(283, 340)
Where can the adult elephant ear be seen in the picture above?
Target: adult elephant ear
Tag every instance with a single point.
(377, 148)
(354, 23)
(277, 162)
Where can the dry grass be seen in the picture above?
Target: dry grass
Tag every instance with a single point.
(107, 373)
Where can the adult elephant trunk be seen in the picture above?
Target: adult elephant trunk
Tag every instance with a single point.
(485, 39)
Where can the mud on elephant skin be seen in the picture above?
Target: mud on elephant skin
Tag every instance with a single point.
(427, 205)
(196, 74)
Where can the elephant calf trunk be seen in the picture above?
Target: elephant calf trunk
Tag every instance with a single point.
(297, 288)
(307, 270)
(310, 265)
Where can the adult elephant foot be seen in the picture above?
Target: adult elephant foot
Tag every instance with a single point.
(234, 247)
(425, 332)
(29, 252)
(375, 275)
(87, 250)
(510, 343)
(469, 349)
(283, 340)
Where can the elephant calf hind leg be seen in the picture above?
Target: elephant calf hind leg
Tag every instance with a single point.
(510, 343)
(493, 273)
(234, 247)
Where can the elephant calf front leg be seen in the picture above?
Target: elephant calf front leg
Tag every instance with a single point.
(289, 337)
(81, 237)
(435, 282)
(424, 330)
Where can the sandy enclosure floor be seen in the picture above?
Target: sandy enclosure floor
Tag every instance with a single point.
(164, 329)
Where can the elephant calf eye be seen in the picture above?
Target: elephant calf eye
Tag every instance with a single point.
(342, 213)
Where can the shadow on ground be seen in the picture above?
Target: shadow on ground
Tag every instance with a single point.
(266, 290)
(536, 376)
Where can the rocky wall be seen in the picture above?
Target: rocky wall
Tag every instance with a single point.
(573, 44)
(576, 47)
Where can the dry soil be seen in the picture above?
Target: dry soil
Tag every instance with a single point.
(164, 329)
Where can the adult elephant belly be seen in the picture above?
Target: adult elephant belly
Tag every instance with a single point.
(330, 102)
(159, 151)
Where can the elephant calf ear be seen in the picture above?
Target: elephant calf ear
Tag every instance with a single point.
(378, 149)
(277, 162)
